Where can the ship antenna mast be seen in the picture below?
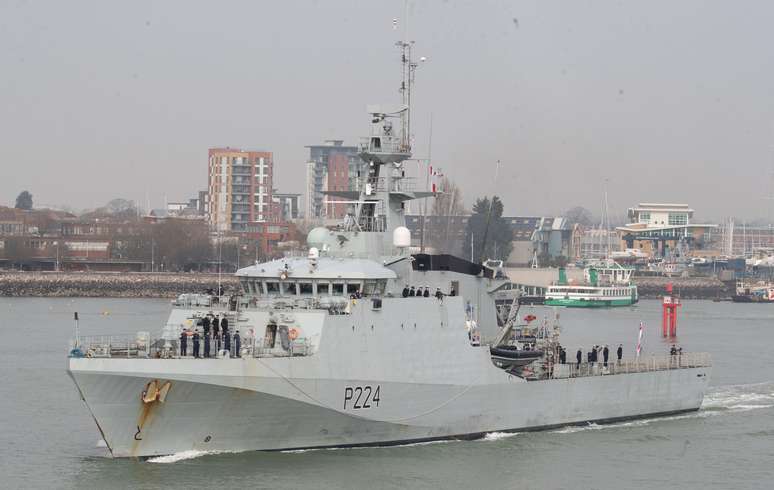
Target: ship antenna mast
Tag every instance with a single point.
(408, 71)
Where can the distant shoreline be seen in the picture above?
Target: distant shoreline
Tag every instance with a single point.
(170, 285)
(110, 284)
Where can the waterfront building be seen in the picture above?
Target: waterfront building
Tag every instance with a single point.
(331, 166)
(288, 206)
(556, 237)
(240, 188)
(658, 228)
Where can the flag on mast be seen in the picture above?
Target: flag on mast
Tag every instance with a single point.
(639, 339)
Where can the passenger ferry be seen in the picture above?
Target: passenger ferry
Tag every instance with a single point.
(607, 284)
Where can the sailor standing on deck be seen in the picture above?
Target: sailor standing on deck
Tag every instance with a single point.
(605, 354)
(406, 291)
(237, 344)
(206, 322)
(412, 292)
(183, 343)
(226, 337)
(216, 335)
(426, 294)
(207, 344)
(196, 343)
(620, 353)
(578, 357)
(215, 322)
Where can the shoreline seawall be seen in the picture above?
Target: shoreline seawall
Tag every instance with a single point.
(685, 287)
(170, 285)
(110, 284)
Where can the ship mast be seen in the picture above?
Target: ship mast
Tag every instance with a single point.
(408, 72)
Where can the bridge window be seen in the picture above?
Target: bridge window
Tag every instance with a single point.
(369, 287)
(305, 288)
(352, 287)
(338, 288)
(323, 288)
(272, 287)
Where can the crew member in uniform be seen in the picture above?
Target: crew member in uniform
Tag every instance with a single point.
(578, 357)
(605, 353)
(226, 338)
(224, 325)
(215, 322)
(196, 343)
(207, 344)
(426, 294)
(620, 353)
(412, 292)
(216, 335)
(406, 291)
(183, 343)
(237, 344)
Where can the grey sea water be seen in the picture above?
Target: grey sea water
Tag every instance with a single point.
(48, 440)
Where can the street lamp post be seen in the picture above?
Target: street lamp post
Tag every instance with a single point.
(56, 266)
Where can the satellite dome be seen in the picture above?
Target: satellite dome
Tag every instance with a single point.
(401, 237)
(317, 236)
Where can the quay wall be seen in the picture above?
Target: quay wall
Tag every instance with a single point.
(110, 284)
(169, 285)
(686, 287)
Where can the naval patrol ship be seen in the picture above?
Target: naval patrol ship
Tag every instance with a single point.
(333, 354)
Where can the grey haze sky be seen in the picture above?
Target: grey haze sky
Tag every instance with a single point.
(669, 101)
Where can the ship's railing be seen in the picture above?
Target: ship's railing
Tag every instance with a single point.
(299, 347)
(382, 144)
(641, 365)
(402, 184)
(142, 346)
(132, 346)
(373, 223)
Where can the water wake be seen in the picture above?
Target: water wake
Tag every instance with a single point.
(497, 436)
(740, 397)
(182, 456)
(720, 400)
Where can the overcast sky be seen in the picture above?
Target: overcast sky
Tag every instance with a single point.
(669, 101)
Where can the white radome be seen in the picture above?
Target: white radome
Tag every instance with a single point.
(401, 237)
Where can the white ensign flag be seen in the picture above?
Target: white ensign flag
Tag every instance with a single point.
(639, 339)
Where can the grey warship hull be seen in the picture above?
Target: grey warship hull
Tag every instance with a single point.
(381, 394)
(211, 417)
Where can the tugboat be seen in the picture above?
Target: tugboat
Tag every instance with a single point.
(331, 349)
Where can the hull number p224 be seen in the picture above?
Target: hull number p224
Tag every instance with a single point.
(359, 397)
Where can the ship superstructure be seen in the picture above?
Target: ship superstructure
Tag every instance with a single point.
(335, 350)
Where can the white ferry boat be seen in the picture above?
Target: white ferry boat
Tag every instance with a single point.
(606, 284)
